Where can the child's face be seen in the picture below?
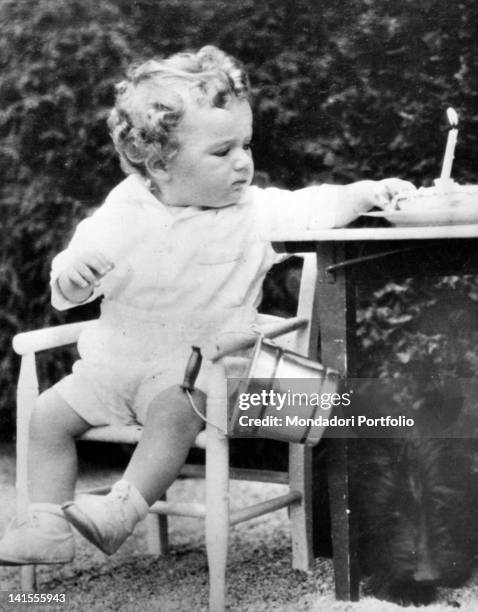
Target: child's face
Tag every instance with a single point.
(213, 165)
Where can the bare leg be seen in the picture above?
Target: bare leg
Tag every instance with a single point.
(169, 432)
(43, 535)
(52, 459)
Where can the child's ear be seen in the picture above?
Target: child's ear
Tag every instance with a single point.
(158, 170)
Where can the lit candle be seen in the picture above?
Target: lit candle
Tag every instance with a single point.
(450, 144)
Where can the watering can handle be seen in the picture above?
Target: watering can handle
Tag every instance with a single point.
(192, 369)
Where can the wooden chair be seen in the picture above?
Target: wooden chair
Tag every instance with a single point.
(298, 333)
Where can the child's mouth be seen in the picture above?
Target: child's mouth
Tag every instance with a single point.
(240, 183)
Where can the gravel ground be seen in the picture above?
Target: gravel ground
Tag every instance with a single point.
(260, 578)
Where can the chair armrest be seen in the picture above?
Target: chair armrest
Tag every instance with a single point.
(48, 338)
(229, 343)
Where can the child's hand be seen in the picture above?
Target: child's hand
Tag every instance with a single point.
(361, 196)
(388, 188)
(81, 277)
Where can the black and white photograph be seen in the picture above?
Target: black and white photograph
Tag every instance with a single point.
(238, 305)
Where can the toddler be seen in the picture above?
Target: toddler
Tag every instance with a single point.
(176, 253)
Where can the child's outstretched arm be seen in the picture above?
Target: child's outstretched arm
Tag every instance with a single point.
(361, 196)
(78, 281)
(321, 206)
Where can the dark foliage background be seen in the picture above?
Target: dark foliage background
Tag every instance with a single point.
(341, 92)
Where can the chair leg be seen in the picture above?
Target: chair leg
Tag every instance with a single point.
(217, 492)
(217, 520)
(157, 533)
(300, 479)
(27, 393)
(28, 578)
(344, 546)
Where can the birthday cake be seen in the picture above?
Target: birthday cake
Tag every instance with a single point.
(443, 195)
(446, 203)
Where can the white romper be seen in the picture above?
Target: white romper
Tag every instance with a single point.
(178, 281)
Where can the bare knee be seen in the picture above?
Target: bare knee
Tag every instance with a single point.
(52, 415)
(172, 410)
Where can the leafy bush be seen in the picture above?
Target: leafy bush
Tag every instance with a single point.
(339, 95)
(60, 63)
(422, 336)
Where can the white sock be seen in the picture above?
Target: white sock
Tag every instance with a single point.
(127, 491)
(50, 516)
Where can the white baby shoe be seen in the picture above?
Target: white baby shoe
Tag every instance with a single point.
(107, 520)
(43, 537)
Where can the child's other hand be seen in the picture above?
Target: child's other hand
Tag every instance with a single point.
(385, 190)
(78, 280)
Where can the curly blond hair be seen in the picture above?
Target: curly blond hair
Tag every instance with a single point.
(150, 102)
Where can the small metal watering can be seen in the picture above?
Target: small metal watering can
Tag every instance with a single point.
(284, 396)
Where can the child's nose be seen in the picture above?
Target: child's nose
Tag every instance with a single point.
(242, 160)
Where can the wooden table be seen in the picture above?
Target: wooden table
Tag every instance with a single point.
(344, 256)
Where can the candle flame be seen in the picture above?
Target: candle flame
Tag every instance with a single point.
(452, 117)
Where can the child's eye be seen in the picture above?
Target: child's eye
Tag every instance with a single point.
(222, 152)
